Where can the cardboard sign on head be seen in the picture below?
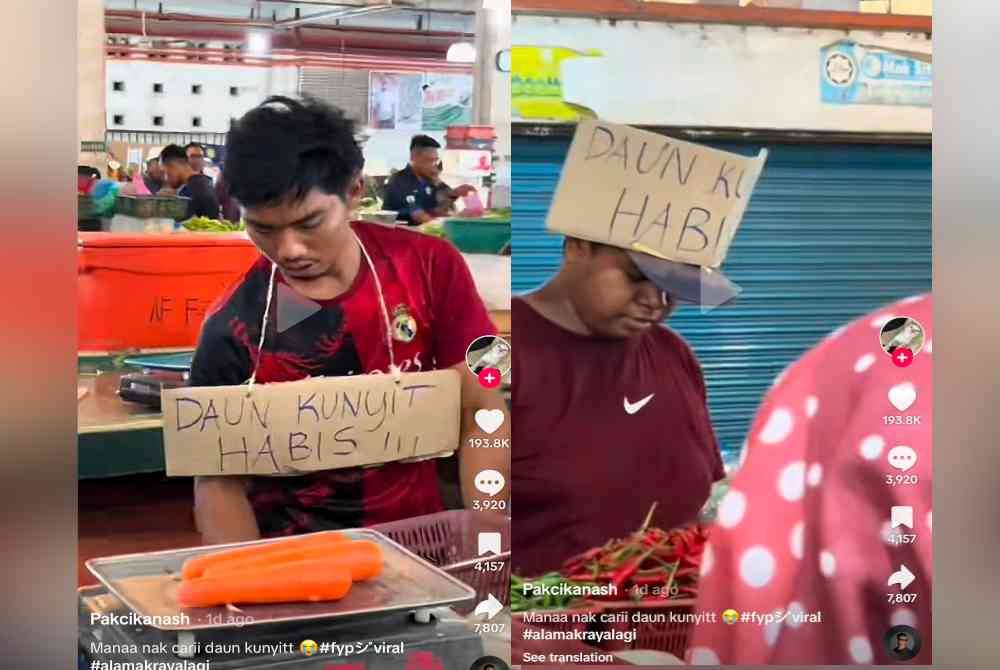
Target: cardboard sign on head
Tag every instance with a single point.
(646, 192)
(674, 205)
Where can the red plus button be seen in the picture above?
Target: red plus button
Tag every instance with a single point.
(490, 378)
(902, 357)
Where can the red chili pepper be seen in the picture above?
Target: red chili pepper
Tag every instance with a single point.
(624, 573)
(587, 555)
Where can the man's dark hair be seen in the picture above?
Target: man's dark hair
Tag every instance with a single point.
(150, 161)
(284, 148)
(902, 635)
(421, 142)
(87, 171)
(196, 145)
(173, 153)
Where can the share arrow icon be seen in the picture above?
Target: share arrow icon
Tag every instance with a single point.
(490, 607)
(903, 577)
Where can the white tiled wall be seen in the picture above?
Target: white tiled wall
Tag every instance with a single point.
(138, 104)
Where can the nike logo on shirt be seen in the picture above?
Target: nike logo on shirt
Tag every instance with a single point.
(633, 407)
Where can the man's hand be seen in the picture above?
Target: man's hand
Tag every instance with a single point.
(461, 191)
(420, 216)
(474, 459)
(222, 511)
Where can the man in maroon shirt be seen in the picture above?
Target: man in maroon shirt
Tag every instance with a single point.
(610, 405)
(296, 169)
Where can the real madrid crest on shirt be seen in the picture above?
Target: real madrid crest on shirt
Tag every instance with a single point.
(404, 326)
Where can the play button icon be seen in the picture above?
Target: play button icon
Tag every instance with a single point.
(292, 308)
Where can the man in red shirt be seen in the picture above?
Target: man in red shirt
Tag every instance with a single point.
(610, 405)
(296, 169)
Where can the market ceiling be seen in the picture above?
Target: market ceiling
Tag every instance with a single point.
(287, 12)
(417, 28)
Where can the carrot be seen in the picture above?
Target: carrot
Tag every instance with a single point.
(196, 566)
(312, 581)
(362, 558)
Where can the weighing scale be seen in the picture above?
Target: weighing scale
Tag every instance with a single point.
(159, 372)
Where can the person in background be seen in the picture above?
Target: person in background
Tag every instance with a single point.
(296, 168)
(153, 176)
(86, 176)
(805, 526)
(230, 208)
(182, 179)
(196, 156)
(416, 192)
(384, 102)
(611, 410)
(115, 171)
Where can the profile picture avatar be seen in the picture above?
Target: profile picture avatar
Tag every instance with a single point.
(488, 351)
(489, 663)
(902, 642)
(902, 332)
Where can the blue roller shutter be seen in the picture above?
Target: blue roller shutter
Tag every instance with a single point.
(832, 232)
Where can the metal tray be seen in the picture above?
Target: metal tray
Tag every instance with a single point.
(147, 584)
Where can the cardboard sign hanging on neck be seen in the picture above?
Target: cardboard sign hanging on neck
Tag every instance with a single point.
(648, 192)
(321, 423)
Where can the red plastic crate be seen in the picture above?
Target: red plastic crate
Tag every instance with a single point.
(450, 540)
(151, 291)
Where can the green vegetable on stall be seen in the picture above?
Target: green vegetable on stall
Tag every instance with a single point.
(434, 229)
(503, 214)
(370, 205)
(202, 224)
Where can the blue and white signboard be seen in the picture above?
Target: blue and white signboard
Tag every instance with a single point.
(860, 74)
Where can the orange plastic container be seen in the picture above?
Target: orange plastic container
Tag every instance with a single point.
(151, 291)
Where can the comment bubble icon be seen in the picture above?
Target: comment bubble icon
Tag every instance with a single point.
(489, 482)
(902, 458)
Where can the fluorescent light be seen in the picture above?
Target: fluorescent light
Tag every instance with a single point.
(461, 52)
(258, 43)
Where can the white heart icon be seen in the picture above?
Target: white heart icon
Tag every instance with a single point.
(489, 420)
(902, 396)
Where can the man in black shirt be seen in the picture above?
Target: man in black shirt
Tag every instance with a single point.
(416, 191)
(182, 178)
